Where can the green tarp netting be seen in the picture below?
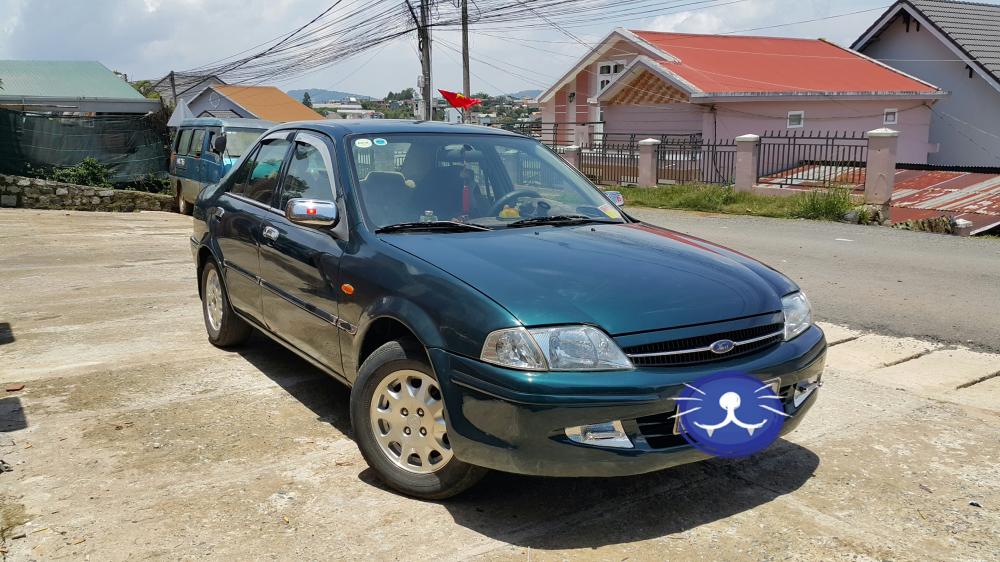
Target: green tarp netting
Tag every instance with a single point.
(130, 146)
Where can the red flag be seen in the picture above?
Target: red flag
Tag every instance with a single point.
(458, 101)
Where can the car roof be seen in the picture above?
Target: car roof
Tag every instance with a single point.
(342, 127)
(220, 122)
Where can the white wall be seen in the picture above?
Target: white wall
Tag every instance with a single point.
(668, 118)
(971, 100)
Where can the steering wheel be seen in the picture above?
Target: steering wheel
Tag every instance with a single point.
(510, 197)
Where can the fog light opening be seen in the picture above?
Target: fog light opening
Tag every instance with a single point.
(608, 434)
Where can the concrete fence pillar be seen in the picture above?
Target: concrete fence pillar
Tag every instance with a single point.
(571, 154)
(880, 173)
(647, 162)
(747, 148)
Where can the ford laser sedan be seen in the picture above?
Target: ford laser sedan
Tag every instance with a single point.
(488, 306)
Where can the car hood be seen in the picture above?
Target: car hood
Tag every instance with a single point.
(624, 278)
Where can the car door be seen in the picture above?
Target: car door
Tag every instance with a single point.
(239, 218)
(300, 264)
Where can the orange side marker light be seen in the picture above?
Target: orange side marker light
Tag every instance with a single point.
(347, 288)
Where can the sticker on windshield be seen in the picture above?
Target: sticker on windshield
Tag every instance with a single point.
(380, 142)
(610, 211)
(363, 143)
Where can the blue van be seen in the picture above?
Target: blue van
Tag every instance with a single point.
(204, 150)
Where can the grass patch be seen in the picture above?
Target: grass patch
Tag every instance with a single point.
(831, 204)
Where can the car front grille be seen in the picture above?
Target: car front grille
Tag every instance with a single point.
(694, 350)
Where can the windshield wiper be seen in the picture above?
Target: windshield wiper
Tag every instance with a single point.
(560, 220)
(434, 226)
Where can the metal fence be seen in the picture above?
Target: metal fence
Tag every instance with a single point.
(812, 159)
(610, 163)
(696, 162)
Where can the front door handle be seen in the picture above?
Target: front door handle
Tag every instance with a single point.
(270, 233)
(218, 212)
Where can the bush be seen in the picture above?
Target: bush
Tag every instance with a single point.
(88, 172)
(150, 183)
(832, 204)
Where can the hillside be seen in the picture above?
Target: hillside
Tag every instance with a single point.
(320, 95)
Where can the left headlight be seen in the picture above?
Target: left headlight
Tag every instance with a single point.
(798, 314)
(561, 348)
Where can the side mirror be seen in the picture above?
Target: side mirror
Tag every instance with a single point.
(616, 197)
(311, 212)
(219, 143)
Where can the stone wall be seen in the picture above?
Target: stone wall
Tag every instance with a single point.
(32, 193)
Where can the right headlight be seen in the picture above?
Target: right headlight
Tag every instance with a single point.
(798, 314)
(560, 348)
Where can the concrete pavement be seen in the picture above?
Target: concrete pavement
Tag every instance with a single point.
(135, 438)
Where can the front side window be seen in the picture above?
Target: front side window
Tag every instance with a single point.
(486, 180)
(308, 176)
(197, 142)
(239, 141)
(261, 177)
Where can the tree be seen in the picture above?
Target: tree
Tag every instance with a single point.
(145, 87)
(407, 94)
(307, 100)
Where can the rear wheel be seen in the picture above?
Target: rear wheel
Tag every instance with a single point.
(397, 412)
(183, 207)
(225, 328)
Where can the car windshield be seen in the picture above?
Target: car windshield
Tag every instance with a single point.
(494, 181)
(239, 141)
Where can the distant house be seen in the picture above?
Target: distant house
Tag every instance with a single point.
(68, 88)
(188, 86)
(251, 102)
(723, 86)
(956, 46)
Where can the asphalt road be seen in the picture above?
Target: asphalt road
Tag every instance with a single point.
(932, 286)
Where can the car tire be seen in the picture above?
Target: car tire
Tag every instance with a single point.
(225, 328)
(404, 362)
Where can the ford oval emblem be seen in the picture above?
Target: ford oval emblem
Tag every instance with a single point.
(721, 346)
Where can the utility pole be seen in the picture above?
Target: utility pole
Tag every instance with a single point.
(425, 59)
(466, 88)
(424, 39)
(173, 87)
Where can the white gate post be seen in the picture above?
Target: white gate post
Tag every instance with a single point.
(880, 172)
(647, 162)
(745, 176)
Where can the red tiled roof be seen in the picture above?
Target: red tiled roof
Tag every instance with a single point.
(731, 64)
(268, 102)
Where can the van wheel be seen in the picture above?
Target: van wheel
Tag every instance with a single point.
(183, 207)
(397, 414)
(225, 328)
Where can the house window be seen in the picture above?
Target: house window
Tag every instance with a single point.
(619, 67)
(604, 69)
(796, 119)
(890, 117)
(571, 97)
(604, 83)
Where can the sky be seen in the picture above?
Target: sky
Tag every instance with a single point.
(148, 38)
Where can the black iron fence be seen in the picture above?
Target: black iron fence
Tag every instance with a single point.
(812, 159)
(696, 162)
(600, 137)
(610, 163)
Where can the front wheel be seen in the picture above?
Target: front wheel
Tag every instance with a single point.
(397, 412)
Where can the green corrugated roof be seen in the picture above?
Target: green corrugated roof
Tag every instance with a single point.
(62, 79)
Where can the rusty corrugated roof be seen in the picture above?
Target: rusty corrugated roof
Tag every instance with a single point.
(268, 103)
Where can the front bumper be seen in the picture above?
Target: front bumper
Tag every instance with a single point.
(514, 421)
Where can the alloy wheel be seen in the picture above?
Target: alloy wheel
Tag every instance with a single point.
(213, 299)
(407, 418)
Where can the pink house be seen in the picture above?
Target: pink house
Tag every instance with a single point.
(724, 86)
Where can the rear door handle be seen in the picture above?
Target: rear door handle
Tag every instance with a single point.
(270, 233)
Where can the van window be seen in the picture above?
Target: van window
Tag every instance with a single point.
(184, 141)
(197, 142)
(307, 177)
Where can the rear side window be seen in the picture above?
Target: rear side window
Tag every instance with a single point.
(184, 141)
(197, 141)
(308, 176)
(262, 175)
